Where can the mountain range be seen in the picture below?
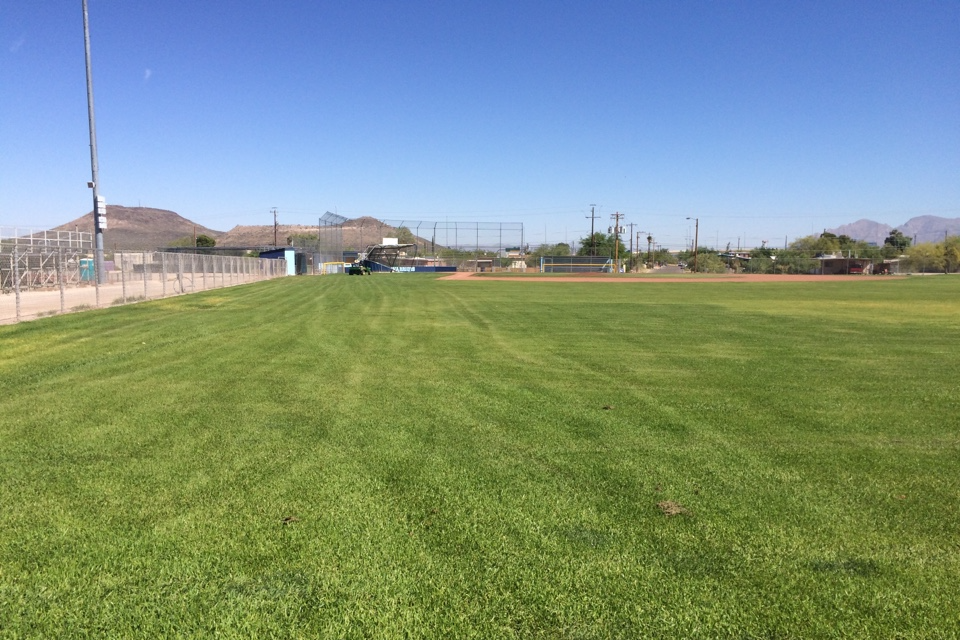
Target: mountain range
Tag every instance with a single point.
(919, 229)
(148, 229)
(145, 229)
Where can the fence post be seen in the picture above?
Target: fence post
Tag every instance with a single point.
(163, 274)
(16, 278)
(123, 277)
(26, 269)
(145, 296)
(60, 277)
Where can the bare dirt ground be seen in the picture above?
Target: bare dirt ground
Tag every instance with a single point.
(654, 279)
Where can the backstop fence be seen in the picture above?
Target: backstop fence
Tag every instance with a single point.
(62, 279)
(472, 246)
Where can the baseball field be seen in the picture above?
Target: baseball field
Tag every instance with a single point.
(406, 456)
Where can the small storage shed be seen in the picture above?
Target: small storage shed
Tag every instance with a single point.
(283, 253)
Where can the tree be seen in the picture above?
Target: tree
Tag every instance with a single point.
(601, 244)
(926, 256)
(761, 261)
(826, 243)
(710, 262)
(896, 240)
(951, 254)
(559, 249)
(802, 256)
(203, 240)
(663, 256)
(185, 241)
(795, 261)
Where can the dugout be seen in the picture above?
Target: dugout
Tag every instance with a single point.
(386, 256)
(838, 265)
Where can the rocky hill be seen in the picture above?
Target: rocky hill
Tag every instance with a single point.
(140, 228)
(866, 230)
(263, 235)
(930, 228)
(354, 234)
(146, 229)
(923, 228)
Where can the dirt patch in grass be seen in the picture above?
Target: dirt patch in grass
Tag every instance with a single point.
(671, 508)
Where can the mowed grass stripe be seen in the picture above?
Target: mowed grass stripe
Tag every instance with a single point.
(443, 456)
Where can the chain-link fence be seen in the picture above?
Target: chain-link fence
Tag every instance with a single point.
(468, 246)
(42, 283)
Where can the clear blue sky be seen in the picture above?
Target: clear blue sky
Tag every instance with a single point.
(764, 119)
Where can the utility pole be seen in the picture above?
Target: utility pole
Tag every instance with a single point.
(696, 241)
(638, 240)
(631, 225)
(592, 217)
(99, 207)
(616, 240)
(274, 210)
(639, 231)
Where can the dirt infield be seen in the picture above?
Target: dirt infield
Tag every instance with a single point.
(675, 279)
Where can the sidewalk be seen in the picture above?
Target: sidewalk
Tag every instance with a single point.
(40, 303)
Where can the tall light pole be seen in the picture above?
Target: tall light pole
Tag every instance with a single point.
(696, 240)
(99, 209)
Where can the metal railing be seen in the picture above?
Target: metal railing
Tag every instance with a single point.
(41, 283)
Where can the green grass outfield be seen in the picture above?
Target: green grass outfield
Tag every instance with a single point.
(401, 456)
